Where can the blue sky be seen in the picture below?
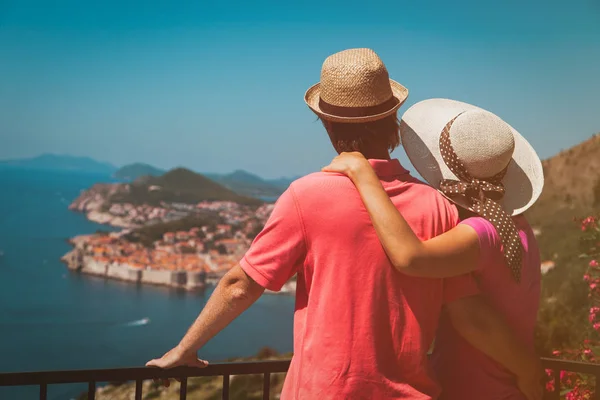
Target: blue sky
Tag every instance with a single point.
(217, 87)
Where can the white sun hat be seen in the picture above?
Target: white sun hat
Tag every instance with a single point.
(484, 144)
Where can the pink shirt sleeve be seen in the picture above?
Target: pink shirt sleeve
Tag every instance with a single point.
(461, 286)
(489, 240)
(278, 251)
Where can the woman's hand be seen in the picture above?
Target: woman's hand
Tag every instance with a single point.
(349, 164)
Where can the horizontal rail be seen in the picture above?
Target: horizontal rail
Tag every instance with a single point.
(45, 378)
(571, 366)
(139, 374)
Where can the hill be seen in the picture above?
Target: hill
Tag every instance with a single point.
(248, 184)
(572, 180)
(58, 162)
(179, 185)
(571, 190)
(134, 171)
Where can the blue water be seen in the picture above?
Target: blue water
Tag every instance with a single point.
(51, 319)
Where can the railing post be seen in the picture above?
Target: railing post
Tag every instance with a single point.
(138, 389)
(266, 386)
(91, 391)
(183, 389)
(556, 376)
(597, 387)
(43, 391)
(225, 387)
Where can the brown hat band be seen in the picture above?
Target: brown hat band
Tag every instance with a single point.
(349, 112)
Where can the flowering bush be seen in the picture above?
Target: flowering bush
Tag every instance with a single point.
(576, 386)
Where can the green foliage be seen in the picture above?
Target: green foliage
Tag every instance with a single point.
(187, 250)
(147, 235)
(222, 249)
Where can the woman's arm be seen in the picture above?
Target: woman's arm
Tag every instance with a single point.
(453, 253)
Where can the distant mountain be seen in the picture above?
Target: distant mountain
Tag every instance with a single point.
(179, 185)
(245, 183)
(58, 162)
(131, 172)
(282, 182)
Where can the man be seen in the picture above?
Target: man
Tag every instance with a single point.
(361, 329)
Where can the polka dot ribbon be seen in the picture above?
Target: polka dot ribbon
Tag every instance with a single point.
(483, 196)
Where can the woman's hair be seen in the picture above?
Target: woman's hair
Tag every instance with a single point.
(361, 137)
(463, 213)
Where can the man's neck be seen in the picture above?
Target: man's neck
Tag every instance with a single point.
(376, 154)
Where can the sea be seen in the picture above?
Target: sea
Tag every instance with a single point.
(54, 319)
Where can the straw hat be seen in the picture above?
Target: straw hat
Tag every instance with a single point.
(484, 143)
(355, 87)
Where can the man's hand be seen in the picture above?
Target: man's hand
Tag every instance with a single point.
(233, 295)
(176, 357)
(348, 164)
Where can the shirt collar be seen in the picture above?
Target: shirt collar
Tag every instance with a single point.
(387, 168)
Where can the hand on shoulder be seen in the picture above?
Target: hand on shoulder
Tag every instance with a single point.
(348, 164)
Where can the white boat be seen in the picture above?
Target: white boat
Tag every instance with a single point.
(139, 322)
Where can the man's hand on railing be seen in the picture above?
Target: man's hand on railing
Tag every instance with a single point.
(177, 357)
(233, 295)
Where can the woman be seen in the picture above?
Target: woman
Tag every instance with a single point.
(486, 167)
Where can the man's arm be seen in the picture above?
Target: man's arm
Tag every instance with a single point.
(485, 330)
(233, 295)
(274, 257)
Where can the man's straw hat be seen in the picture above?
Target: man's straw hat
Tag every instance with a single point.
(482, 142)
(355, 87)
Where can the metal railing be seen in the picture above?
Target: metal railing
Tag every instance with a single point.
(226, 370)
(92, 377)
(570, 366)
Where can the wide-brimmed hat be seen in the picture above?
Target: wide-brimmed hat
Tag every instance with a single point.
(355, 87)
(485, 145)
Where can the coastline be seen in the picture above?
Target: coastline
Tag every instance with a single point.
(182, 246)
(78, 260)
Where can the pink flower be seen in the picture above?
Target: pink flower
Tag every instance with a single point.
(593, 264)
(587, 223)
(587, 352)
(597, 326)
(586, 277)
(563, 375)
(593, 286)
(554, 353)
(593, 313)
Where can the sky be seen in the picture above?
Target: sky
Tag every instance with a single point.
(219, 86)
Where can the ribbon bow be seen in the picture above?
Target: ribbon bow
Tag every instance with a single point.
(483, 195)
(477, 189)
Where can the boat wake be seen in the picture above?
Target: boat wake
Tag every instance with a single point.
(139, 322)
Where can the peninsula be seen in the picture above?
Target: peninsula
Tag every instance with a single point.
(180, 230)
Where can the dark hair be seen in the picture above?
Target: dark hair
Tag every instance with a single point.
(380, 134)
(463, 213)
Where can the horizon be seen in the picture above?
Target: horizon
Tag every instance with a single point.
(212, 87)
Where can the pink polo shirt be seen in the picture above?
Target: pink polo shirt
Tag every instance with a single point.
(464, 372)
(361, 329)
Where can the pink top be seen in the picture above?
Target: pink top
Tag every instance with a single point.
(463, 371)
(361, 329)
